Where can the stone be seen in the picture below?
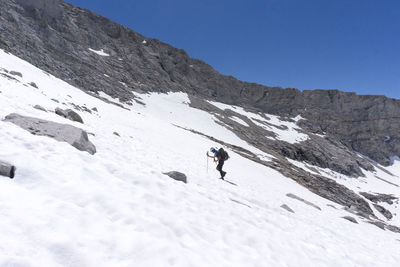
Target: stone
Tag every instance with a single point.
(39, 108)
(7, 170)
(76, 137)
(349, 218)
(178, 176)
(69, 114)
(286, 207)
(16, 73)
(115, 133)
(33, 85)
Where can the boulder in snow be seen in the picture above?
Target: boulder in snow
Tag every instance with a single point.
(286, 207)
(351, 219)
(177, 176)
(69, 114)
(39, 107)
(33, 85)
(76, 137)
(16, 73)
(7, 170)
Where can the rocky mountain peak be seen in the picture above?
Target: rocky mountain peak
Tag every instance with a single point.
(96, 54)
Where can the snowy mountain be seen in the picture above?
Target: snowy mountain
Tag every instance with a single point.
(94, 116)
(66, 207)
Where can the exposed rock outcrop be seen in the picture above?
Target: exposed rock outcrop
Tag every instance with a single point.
(388, 215)
(379, 197)
(76, 137)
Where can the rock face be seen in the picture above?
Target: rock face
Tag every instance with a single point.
(61, 132)
(57, 38)
(69, 114)
(178, 176)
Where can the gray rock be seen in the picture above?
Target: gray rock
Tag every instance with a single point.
(69, 114)
(55, 100)
(378, 224)
(393, 228)
(7, 170)
(16, 73)
(303, 200)
(115, 133)
(76, 137)
(379, 197)
(286, 207)
(33, 85)
(388, 215)
(349, 218)
(177, 176)
(39, 108)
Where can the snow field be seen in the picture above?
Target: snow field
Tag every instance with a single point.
(116, 208)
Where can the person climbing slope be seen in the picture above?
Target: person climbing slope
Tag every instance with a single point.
(220, 156)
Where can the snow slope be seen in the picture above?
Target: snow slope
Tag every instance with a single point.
(116, 208)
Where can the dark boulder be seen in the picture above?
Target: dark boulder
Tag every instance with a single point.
(351, 219)
(39, 107)
(177, 176)
(7, 170)
(16, 73)
(286, 207)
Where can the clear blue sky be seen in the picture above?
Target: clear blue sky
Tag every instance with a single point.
(351, 45)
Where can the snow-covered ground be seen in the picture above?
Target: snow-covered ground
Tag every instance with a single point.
(116, 208)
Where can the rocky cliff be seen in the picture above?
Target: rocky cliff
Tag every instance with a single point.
(96, 54)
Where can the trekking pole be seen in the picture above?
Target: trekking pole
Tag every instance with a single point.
(207, 161)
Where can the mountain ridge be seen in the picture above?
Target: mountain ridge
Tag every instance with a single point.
(58, 35)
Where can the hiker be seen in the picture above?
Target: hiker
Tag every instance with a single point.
(219, 155)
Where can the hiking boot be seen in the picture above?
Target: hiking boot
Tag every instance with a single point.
(223, 175)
